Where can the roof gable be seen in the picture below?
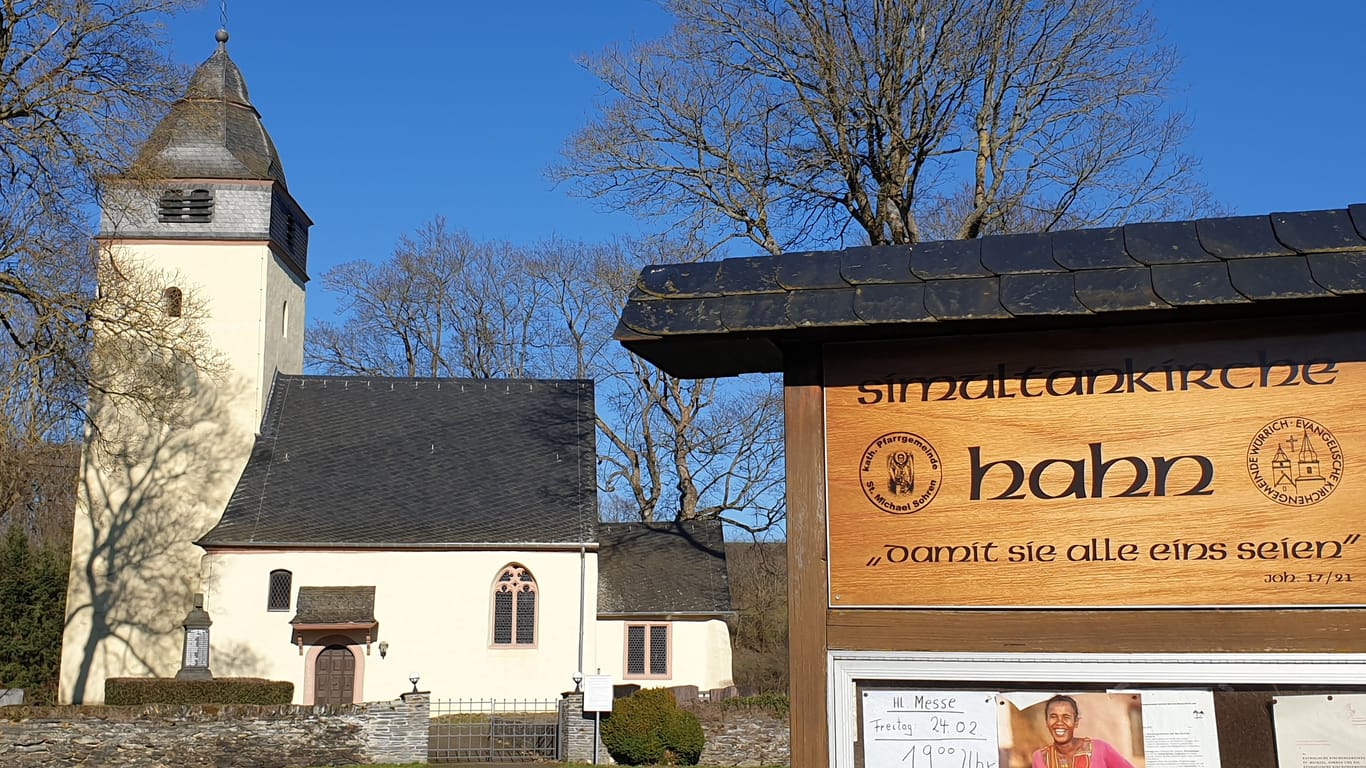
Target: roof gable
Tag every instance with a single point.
(395, 463)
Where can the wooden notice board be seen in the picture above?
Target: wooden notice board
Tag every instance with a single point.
(1064, 470)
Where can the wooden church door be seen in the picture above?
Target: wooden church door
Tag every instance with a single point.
(334, 676)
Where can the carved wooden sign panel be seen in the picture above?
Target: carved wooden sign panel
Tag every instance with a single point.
(1057, 470)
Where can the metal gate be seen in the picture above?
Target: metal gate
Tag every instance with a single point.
(493, 730)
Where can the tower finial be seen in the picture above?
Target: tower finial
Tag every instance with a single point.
(222, 37)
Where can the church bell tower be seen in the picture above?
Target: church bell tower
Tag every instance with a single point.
(208, 210)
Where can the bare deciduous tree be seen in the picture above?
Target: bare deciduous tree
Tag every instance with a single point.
(86, 343)
(445, 305)
(442, 305)
(81, 84)
(889, 121)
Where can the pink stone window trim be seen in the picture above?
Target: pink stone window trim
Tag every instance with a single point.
(653, 659)
(514, 604)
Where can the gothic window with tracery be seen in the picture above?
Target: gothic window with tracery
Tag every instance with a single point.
(514, 607)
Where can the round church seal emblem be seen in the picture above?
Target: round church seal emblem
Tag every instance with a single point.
(1295, 461)
(900, 473)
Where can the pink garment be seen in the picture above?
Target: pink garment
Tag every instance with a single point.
(1093, 753)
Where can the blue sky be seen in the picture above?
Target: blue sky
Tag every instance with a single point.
(387, 114)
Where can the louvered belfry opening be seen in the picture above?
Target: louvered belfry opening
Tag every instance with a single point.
(192, 206)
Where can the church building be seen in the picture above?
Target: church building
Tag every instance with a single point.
(348, 534)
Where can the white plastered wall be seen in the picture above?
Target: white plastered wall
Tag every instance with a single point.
(134, 570)
(433, 609)
(699, 651)
(255, 308)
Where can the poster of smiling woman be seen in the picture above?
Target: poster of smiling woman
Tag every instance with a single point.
(1072, 730)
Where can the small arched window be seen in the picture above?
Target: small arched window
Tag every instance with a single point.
(281, 582)
(172, 301)
(514, 607)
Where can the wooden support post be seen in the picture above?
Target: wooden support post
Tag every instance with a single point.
(807, 589)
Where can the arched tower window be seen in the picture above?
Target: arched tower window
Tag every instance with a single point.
(514, 607)
(281, 583)
(172, 301)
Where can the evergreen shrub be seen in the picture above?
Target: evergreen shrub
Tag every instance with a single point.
(32, 610)
(648, 728)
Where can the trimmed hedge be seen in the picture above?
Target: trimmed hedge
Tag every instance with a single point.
(776, 704)
(228, 690)
(647, 728)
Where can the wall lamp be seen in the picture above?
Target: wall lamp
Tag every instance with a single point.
(383, 648)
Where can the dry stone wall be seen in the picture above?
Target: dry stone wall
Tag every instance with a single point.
(743, 737)
(208, 736)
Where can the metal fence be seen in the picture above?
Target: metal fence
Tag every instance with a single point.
(493, 730)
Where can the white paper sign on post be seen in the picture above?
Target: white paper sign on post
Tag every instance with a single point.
(597, 693)
(930, 729)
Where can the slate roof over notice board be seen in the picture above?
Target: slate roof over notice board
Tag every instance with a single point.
(394, 463)
(735, 316)
(662, 568)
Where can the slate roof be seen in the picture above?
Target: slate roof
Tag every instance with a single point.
(662, 569)
(414, 463)
(736, 316)
(335, 605)
(214, 132)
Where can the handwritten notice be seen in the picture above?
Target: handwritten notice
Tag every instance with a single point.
(1321, 731)
(929, 729)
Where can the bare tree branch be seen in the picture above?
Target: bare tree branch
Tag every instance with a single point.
(812, 121)
(445, 305)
